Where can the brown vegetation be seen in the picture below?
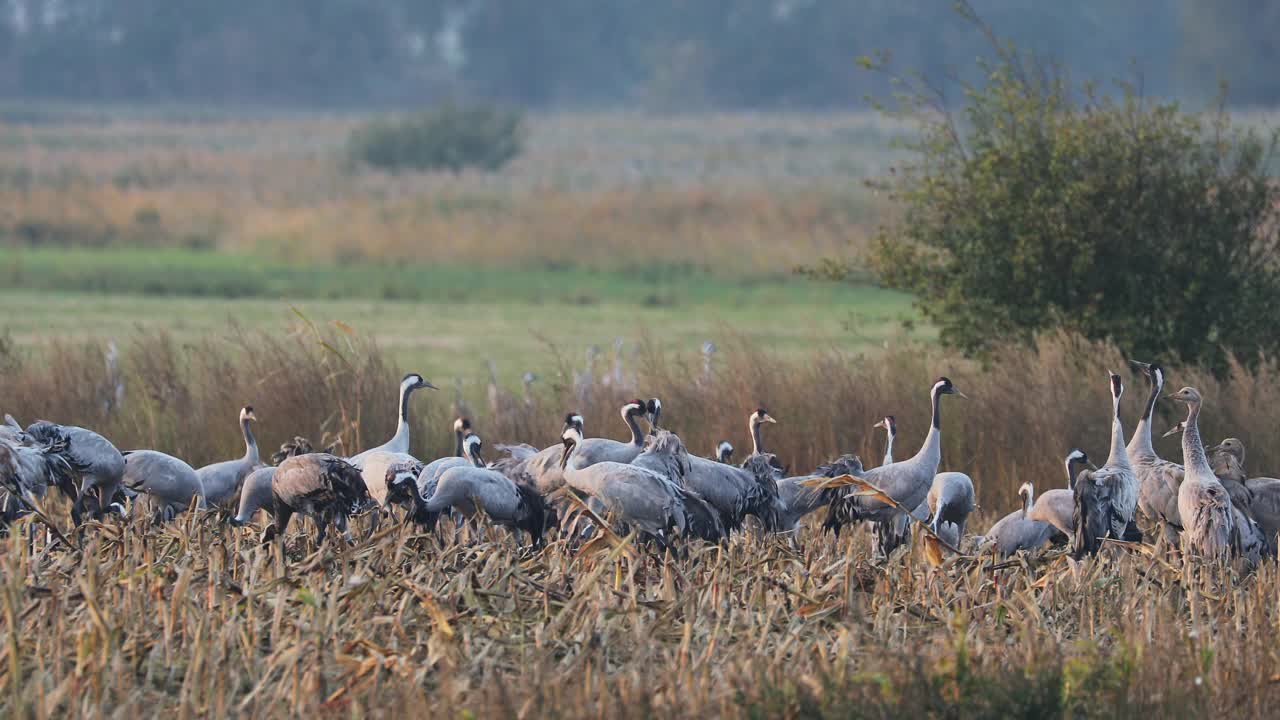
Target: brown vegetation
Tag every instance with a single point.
(198, 618)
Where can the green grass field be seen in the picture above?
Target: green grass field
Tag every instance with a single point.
(445, 320)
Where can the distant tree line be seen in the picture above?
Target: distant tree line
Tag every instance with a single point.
(661, 53)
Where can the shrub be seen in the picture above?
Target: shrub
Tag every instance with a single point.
(1040, 204)
(449, 138)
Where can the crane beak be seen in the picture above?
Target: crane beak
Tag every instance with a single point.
(768, 418)
(957, 392)
(252, 416)
(1172, 431)
(427, 384)
(1093, 466)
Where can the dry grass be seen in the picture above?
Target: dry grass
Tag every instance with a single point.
(737, 192)
(195, 618)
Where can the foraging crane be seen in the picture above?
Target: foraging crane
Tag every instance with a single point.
(465, 489)
(653, 408)
(28, 467)
(99, 465)
(399, 443)
(665, 454)
(593, 450)
(799, 500)
(1203, 503)
(907, 481)
(1017, 531)
(640, 498)
(324, 487)
(222, 481)
(430, 473)
(255, 491)
(170, 484)
(950, 500)
(736, 492)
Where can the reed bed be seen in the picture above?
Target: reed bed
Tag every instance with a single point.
(198, 618)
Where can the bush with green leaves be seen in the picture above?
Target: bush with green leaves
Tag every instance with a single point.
(448, 138)
(1037, 204)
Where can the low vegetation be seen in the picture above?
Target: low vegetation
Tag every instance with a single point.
(196, 617)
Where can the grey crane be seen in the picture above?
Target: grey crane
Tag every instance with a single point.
(1203, 503)
(321, 486)
(255, 491)
(907, 481)
(168, 483)
(593, 450)
(637, 497)
(724, 452)
(541, 468)
(222, 481)
(1058, 506)
(798, 500)
(429, 475)
(1227, 459)
(1118, 475)
(1249, 540)
(98, 464)
(1158, 478)
(891, 535)
(1017, 531)
(665, 453)
(399, 443)
(950, 500)
(736, 492)
(28, 467)
(466, 489)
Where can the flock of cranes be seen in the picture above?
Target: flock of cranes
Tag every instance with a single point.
(650, 484)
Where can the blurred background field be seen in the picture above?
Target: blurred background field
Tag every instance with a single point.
(609, 226)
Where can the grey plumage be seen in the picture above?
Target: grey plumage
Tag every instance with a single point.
(255, 491)
(639, 498)
(665, 454)
(542, 468)
(951, 499)
(29, 466)
(466, 489)
(1158, 479)
(221, 481)
(798, 500)
(1203, 503)
(1249, 538)
(169, 483)
(98, 463)
(399, 443)
(1017, 531)
(736, 492)
(321, 486)
(1117, 473)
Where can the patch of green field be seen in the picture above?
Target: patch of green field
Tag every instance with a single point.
(444, 320)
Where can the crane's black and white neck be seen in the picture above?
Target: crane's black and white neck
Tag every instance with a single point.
(724, 452)
(630, 412)
(411, 382)
(1140, 445)
(758, 418)
(1076, 457)
(461, 427)
(931, 449)
(571, 438)
(1119, 456)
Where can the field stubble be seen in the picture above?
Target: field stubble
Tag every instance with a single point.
(196, 618)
